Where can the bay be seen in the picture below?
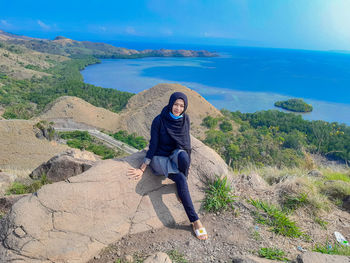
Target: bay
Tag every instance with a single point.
(242, 78)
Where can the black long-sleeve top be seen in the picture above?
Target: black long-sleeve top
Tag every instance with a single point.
(161, 143)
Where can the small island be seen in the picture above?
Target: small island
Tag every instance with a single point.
(296, 105)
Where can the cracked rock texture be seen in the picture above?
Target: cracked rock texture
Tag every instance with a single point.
(72, 221)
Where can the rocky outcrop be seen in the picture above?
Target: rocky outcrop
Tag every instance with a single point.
(6, 202)
(159, 257)
(312, 257)
(71, 221)
(65, 165)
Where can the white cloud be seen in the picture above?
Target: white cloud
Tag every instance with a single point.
(43, 25)
(103, 28)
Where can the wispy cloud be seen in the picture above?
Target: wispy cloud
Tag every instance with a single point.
(5, 24)
(130, 30)
(43, 25)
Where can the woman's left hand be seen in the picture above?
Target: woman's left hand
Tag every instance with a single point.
(135, 173)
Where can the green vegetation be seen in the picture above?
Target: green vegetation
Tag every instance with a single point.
(272, 253)
(218, 195)
(210, 122)
(83, 140)
(270, 215)
(292, 202)
(177, 257)
(336, 176)
(137, 142)
(24, 99)
(274, 138)
(297, 105)
(332, 249)
(18, 188)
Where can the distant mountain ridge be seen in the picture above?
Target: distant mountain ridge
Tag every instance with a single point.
(68, 47)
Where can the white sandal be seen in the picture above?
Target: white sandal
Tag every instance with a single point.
(201, 232)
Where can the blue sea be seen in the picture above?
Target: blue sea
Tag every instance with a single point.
(241, 78)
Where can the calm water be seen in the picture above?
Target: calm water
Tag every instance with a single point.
(245, 79)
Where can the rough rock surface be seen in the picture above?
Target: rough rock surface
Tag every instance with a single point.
(159, 257)
(251, 259)
(314, 257)
(72, 221)
(64, 165)
(6, 202)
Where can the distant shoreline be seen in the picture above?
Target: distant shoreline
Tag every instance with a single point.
(126, 76)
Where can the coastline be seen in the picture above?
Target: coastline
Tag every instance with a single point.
(127, 76)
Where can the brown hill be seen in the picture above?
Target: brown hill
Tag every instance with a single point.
(141, 108)
(20, 149)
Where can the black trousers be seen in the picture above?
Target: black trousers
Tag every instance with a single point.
(182, 187)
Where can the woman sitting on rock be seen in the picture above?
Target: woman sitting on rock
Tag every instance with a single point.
(169, 153)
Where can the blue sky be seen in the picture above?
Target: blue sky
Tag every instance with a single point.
(300, 24)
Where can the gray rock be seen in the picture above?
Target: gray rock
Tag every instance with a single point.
(315, 257)
(159, 257)
(72, 221)
(315, 173)
(129, 258)
(6, 202)
(65, 165)
(346, 203)
(250, 259)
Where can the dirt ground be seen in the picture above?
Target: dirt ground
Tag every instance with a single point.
(230, 233)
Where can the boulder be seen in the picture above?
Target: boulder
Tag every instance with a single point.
(65, 165)
(312, 257)
(346, 203)
(159, 257)
(6, 202)
(72, 220)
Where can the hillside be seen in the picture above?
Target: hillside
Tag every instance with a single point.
(140, 109)
(68, 47)
(22, 63)
(21, 150)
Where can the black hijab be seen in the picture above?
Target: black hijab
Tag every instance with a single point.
(178, 129)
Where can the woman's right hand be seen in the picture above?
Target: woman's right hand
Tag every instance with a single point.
(135, 173)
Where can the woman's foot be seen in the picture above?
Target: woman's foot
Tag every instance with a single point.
(199, 230)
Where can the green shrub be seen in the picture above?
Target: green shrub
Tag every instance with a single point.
(218, 195)
(272, 253)
(276, 218)
(18, 188)
(176, 257)
(83, 140)
(210, 122)
(226, 126)
(137, 142)
(332, 249)
(292, 202)
(337, 176)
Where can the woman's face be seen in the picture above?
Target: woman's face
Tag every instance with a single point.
(178, 107)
